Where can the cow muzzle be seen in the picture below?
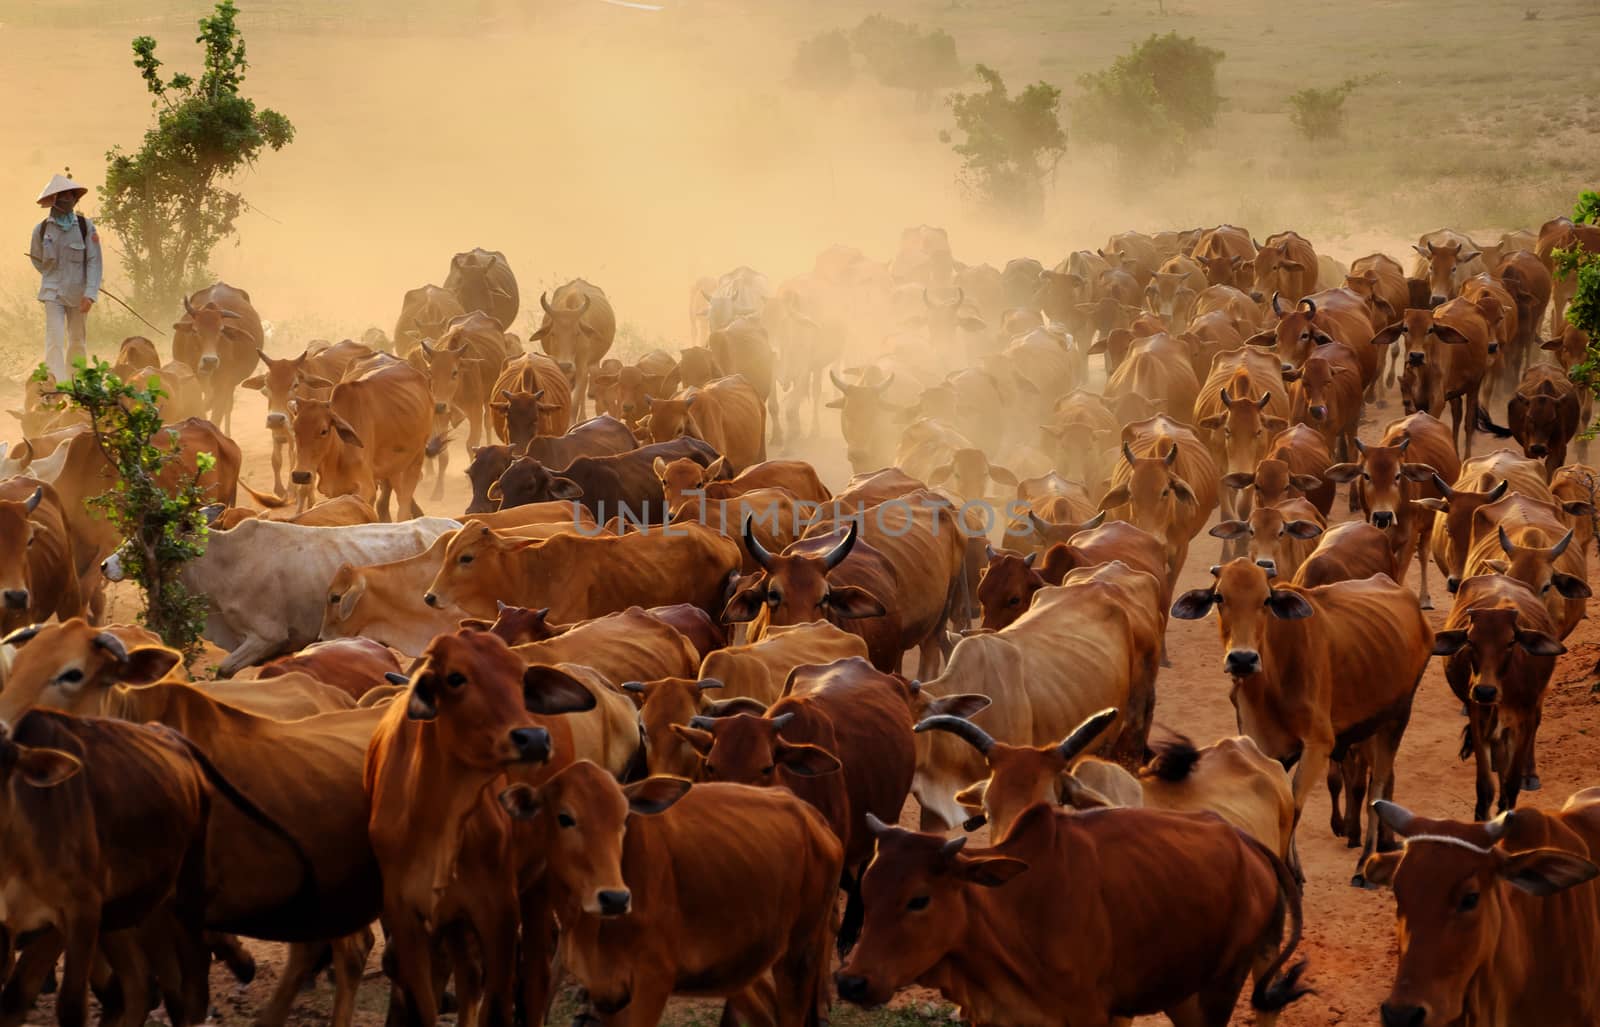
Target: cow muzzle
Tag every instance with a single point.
(440, 408)
(277, 419)
(614, 902)
(432, 599)
(532, 744)
(1415, 358)
(1318, 413)
(111, 567)
(207, 365)
(1538, 449)
(852, 988)
(1452, 584)
(15, 598)
(1485, 695)
(1257, 297)
(300, 477)
(1436, 300)
(1242, 662)
(1383, 519)
(1403, 1016)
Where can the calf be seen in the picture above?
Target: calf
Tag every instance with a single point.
(623, 484)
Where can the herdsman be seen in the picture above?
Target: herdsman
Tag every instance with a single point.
(66, 253)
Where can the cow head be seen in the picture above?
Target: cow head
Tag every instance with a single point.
(1106, 315)
(529, 481)
(1535, 566)
(136, 354)
(1445, 266)
(748, 749)
(1246, 427)
(794, 589)
(1493, 644)
(1311, 396)
(671, 418)
(1271, 538)
(71, 665)
(477, 555)
(516, 625)
(1384, 481)
(1007, 587)
(1161, 296)
(1453, 888)
(282, 381)
(473, 282)
(488, 464)
(1298, 332)
(1019, 775)
(915, 894)
(1153, 493)
(1272, 482)
(320, 435)
(945, 320)
(1537, 415)
(1570, 347)
(682, 476)
(209, 324)
(1221, 268)
(1365, 285)
(867, 421)
(35, 767)
(580, 818)
(482, 700)
(523, 412)
(969, 472)
(17, 533)
(1244, 598)
(448, 367)
(677, 701)
(564, 333)
(1272, 271)
(1059, 294)
(1458, 507)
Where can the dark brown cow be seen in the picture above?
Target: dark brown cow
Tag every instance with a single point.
(840, 738)
(1543, 414)
(218, 337)
(1391, 476)
(955, 920)
(1497, 921)
(622, 484)
(578, 328)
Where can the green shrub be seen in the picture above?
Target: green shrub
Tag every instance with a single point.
(1011, 144)
(1153, 102)
(823, 63)
(1319, 113)
(905, 56)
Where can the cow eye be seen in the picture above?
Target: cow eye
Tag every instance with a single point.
(1166, 492)
(334, 598)
(917, 904)
(466, 558)
(455, 679)
(324, 431)
(766, 771)
(1468, 902)
(710, 771)
(1014, 601)
(565, 820)
(774, 598)
(1365, 476)
(70, 677)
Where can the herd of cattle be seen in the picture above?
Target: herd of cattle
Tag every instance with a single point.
(637, 717)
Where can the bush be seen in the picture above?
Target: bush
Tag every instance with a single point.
(165, 202)
(823, 63)
(1012, 144)
(1319, 113)
(161, 530)
(903, 56)
(1153, 101)
(1584, 311)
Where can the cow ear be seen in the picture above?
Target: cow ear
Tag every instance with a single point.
(1181, 489)
(1448, 643)
(1305, 482)
(1537, 643)
(347, 433)
(1436, 505)
(1444, 333)
(521, 801)
(835, 404)
(565, 488)
(1002, 475)
(989, 871)
(422, 705)
(46, 768)
(659, 466)
(700, 740)
(1571, 586)
(1286, 605)
(1115, 498)
(655, 794)
(1421, 473)
(1194, 604)
(806, 760)
(1578, 508)
(351, 596)
(745, 604)
(1304, 529)
(1239, 479)
(1498, 566)
(963, 705)
(1214, 421)
(1553, 345)
(255, 381)
(1274, 423)
(1544, 872)
(148, 664)
(549, 692)
(941, 473)
(1380, 867)
(474, 624)
(1230, 530)
(852, 601)
(1341, 473)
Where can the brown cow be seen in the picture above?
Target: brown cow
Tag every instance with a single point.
(1325, 393)
(310, 375)
(1501, 650)
(1157, 369)
(1296, 458)
(1241, 312)
(218, 337)
(1481, 480)
(936, 915)
(1561, 234)
(577, 332)
(1543, 414)
(1381, 281)
(1166, 485)
(628, 876)
(353, 665)
(425, 313)
(1278, 537)
(1497, 921)
(686, 481)
(1049, 505)
(1224, 251)
(726, 413)
(742, 349)
(472, 713)
(1391, 476)
(1306, 691)
(1522, 275)
(1285, 265)
(1578, 483)
(1333, 323)
(1254, 407)
(619, 389)
(1447, 358)
(1079, 438)
(38, 565)
(369, 438)
(1009, 581)
(1531, 540)
(1446, 258)
(531, 397)
(760, 669)
(462, 367)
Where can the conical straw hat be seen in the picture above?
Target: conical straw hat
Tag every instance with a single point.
(60, 184)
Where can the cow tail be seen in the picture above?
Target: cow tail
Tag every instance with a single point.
(244, 804)
(1488, 427)
(1273, 992)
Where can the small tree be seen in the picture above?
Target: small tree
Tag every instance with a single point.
(823, 63)
(1153, 101)
(166, 202)
(162, 528)
(904, 56)
(1584, 310)
(1012, 144)
(1319, 113)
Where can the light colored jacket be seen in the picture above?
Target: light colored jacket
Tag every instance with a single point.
(68, 261)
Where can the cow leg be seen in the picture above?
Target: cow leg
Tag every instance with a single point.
(1424, 543)
(251, 651)
(298, 969)
(441, 465)
(36, 963)
(72, 998)
(1356, 771)
(123, 955)
(231, 953)
(1530, 772)
(1335, 787)
(1516, 765)
(350, 955)
(1470, 415)
(854, 910)
(1478, 740)
(799, 990)
(408, 958)
(278, 447)
(496, 924)
(468, 974)
(405, 491)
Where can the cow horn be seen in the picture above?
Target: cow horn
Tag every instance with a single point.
(1310, 305)
(781, 721)
(1127, 454)
(1084, 734)
(633, 687)
(1172, 455)
(1496, 828)
(709, 684)
(838, 382)
(33, 501)
(836, 555)
(585, 308)
(1277, 306)
(507, 394)
(1360, 448)
(953, 846)
(21, 635)
(1403, 444)
(501, 606)
(883, 386)
(875, 825)
(396, 679)
(701, 722)
(545, 303)
(1561, 547)
(225, 312)
(1443, 486)
(188, 307)
(757, 551)
(1227, 399)
(113, 645)
(961, 727)
(1266, 397)
(1505, 542)
(1499, 490)
(1394, 815)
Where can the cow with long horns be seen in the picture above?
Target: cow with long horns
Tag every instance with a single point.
(578, 329)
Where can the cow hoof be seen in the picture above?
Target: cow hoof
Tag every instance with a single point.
(1530, 783)
(1426, 604)
(1352, 843)
(1360, 881)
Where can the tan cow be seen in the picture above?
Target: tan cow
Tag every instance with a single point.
(726, 413)
(1166, 485)
(369, 438)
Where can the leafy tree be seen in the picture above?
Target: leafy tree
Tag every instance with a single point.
(1153, 101)
(1319, 113)
(904, 56)
(167, 202)
(823, 63)
(156, 505)
(1584, 311)
(1012, 144)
